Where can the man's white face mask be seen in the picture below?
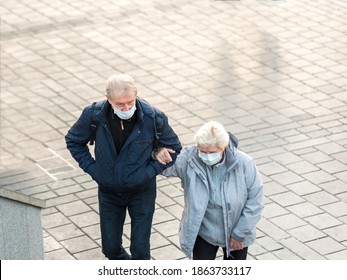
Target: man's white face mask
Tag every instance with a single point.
(125, 115)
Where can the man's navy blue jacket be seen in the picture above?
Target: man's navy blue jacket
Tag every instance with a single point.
(133, 168)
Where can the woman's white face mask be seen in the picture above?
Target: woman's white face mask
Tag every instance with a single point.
(210, 158)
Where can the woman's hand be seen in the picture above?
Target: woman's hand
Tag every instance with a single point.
(236, 245)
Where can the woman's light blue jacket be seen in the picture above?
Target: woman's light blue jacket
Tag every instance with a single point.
(241, 193)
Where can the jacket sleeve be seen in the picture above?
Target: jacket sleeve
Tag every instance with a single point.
(168, 139)
(77, 139)
(143, 174)
(252, 210)
(179, 168)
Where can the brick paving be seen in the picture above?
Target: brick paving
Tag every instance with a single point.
(273, 72)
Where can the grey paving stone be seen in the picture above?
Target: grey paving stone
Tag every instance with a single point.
(60, 254)
(332, 167)
(287, 221)
(35, 190)
(161, 215)
(168, 228)
(286, 158)
(79, 244)
(157, 240)
(287, 199)
(337, 209)
(343, 196)
(171, 191)
(304, 151)
(273, 188)
(50, 244)
(85, 219)
(301, 249)
(297, 138)
(306, 233)
(164, 200)
(64, 232)
(330, 148)
(48, 211)
(88, 195)
(342, 157)
(338, 233)
(325, 246)
(272, 230)
(269, 244)
(60, 184)
(93, 231)
(174, 240)
(90, 185)
(73, 208)
(302, 167)
(267, 153)
(180, 200)
(319, 177)
(54, 220)
(321, 198)
(273, 210)
(271, 168)
(256, 249)
(168, 252)
(45, 195)
(286, 254)
(69, 190)
(303, 188)
(266, 256)
(323, 221)
(305, 209)
(92, 254)
(306, 144)
(175, 210)
(309, 128)
(61, 200)
(342, 176)
(341, 255)
(335, 187)
(286, 178)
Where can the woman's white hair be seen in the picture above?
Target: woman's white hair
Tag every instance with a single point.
(212, 133)
(121, 85)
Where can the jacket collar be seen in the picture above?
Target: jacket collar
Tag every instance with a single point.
(230, 157)
(102, 114)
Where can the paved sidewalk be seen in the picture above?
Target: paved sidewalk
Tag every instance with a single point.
(273, 72)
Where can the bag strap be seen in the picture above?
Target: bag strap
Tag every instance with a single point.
(96, 106)
(159, 126)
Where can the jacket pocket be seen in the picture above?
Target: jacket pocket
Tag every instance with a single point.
(140, 151)
(96, 175)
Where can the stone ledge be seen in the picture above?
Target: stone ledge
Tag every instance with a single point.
(16, 196)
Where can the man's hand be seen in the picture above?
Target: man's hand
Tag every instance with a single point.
(163, 155)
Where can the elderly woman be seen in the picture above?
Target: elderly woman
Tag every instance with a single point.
(223, 195)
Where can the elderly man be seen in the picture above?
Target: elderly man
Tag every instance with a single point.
(124, 128)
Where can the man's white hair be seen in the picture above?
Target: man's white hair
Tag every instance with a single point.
(120, 85)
